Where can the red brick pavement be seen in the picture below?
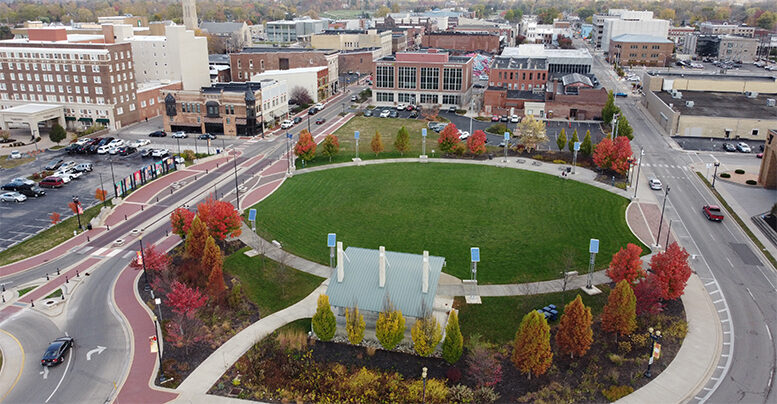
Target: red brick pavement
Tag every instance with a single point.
(49, 255)
(259, 193)
(643, 219)
(148, 191)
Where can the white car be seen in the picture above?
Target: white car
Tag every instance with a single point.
(180, 135)
(140, 143)
(113, 150)
(514, 119)
(463, 135)
(743, 147)
(74, 174)
(103, 149)
(116, 143)
(319, 106)
(159, 152)
(66, 178)
(287, 124)
(401, 107)
(23, 180)
(12, 197)
(66, 166)
(179, 160)
(83, 167)
(655, 184)
(484, 77)
(83, 141)
(15, 154)
(385, 113)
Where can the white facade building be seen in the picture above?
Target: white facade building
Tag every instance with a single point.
(619, 21)
(275, 101)
(306, 77)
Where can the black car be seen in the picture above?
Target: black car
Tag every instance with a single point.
(394, 114)
(297, 120)
(320, 121)
(157, 133)
(73, 148)
(414, 113)
(312, 111)
(206, 136)
(729, 147)
(53, 164)
(126, 150)
(503, 118)
(31, 191)
(146, 152)
(368, 112)
(55, 353)
(87, 148)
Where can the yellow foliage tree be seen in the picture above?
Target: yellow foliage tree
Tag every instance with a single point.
(426, 333)
(354, 325)
(390, 327)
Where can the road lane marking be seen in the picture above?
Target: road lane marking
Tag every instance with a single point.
(729, 262)
(768, 332)
(67, 366)
(97, 351)
(751, 294)
(45, 372)
(20, 370)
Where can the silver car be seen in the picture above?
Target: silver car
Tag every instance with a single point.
(655, 184)
(12, 197)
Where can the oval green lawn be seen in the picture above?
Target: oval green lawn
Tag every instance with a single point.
(522, 221)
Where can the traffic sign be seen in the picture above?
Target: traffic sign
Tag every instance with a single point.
(152, 344)
(475, 254)
(289, 135)
(356, 134)
(252, 215)
(423, 132)
(577, 146)
(331, 240)
(507, 136)
(593, 247)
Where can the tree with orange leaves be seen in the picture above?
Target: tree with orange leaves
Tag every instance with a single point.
(196, 239)
(213, 259)
(672, 271)
(54, 216)
(181, 220)
(574, 336)
(306, 146)
(220, 217)
(620, 312)
(627, 265)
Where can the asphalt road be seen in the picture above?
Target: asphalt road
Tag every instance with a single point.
(741, 283)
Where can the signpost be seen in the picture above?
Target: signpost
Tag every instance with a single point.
(593, 248)
(356, 137)
(507, 144)
(288, 152)
(331, 242)
(574, 158)
(252, 219)
(423, 142)
(474, 253)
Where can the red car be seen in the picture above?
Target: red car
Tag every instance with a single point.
(495, 118)
(320, 121)
(52, 182)
(410, 107)
(712, 212)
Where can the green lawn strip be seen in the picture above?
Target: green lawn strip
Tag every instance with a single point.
(24, 291)
(497, 319)
(387, 127)
(11, 163)
(47, 239)
(302, 325)
(56, 293)
(270, 287)
(521, 220)
(741, 223)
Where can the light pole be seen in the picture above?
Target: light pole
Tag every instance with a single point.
(615, 126)
(661, 221)
(356, 138)
(115, 192)
(715, 174)
(423, 376)
(157, 325)
(288, 153)
(78, 211)
(237, 192)
(655, 336)
(177, 140)
(102, 188)
(639, 166)
(668, 232)
(143, 261)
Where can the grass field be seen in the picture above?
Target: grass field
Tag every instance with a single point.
(497, 319)
(387, 127)
(270, 287)
(522, 221)
(47, 239)
(11, 163)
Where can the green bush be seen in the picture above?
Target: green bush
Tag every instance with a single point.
(624, 347)
(499, 129)
(557, 161)
(677, 330)
(616, 359)
(461, 394)
(537, 157)
(324, 323)
(615, 393)
(739, 171)
(725, 175)
(751, 182)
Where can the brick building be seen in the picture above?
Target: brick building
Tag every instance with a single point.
(634, 49)
(151, 98)
(358, 61)
(462, 41)
(224, 108)
(519, 73)
(251, 61)
(428, 77)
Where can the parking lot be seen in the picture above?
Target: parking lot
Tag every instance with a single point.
(715, 145)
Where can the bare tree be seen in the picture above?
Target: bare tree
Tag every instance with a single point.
(300, 96)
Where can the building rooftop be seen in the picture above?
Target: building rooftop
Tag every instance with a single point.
(730, 105)
(463, 33)
(528, 63)
(232, 87)
(217, 58)
(221, 27)
(574, 78)
(282, 49)
(639, 38)
(293, 71)
(522, 95)
(32, 108)
(150, 85)
(712, 76)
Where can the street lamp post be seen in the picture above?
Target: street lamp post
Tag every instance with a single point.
(639, 166)
(423, 376)
(288, 153)
(143, 261)
(78, 211)
(157, 325)
(655, 336)
(668, 232)
(661, 222)
(615, 126)
(102, 188)
(115, 192)
(715, 174)
(177, 140)
(237, 192)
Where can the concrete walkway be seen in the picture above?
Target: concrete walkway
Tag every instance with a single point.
(266, 248)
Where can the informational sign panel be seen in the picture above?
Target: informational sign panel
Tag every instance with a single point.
(331, 240)
(252, 215)
(577, 146)
(475, 254)
(423, 132)
(593, 247)
(356, 134)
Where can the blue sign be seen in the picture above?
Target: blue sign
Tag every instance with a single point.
(474, 253)
(423, 132)
(252, 215)
(289, 135)
(331, 240)
(593, 248)
(507, 136)
(577, 146)
(356, 135)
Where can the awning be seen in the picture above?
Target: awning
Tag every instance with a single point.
(85, 119)
(70, 118)
(103, 120)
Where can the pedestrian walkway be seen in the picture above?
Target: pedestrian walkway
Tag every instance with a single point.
(251, 239)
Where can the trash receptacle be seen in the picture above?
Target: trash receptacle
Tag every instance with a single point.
(88, 226)
(490, 156)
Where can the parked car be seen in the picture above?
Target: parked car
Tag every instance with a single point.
(140, 143)
(33, 191)
(297, 120)
(73, 148)
(394, 114)
(179, 160)
(206, 136)
(15, 154)
(22, 180)
(368, 113)
(504, 118)
(52, 182)
(463, 135)
(401, 107)
(729, 147)
(744, 147)
(385, 113)
(712, 212)
(112, 150)
(180, 135)
(411, 107)
(414, 114)
(354, 98)
(312, 111)
(159, 153)
(319, 106)
(126, 150)
(116, 143)
(157, 133)
(83, 141)
(103, 149)
(494, 118)
(66, 177)
(320, 121)
(55, 353)
(514, 119)
(623, 95)
(12, 197)
(287, 124)
(146, 152)
(83, 167)
(53, 164)
(654, 183)
(452, 109)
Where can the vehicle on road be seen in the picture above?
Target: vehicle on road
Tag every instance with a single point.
(368, 113)
(452, 109)
(514, 119)
(53, 164)
(744, 147)
(297, 120)
(180, 135)
(312, 111)
(623, 95)
(83, 167)
(206, 136)
(729, 147)
(504, 118)
(12, 197)
(52, 182)
(712, 212)
(463, 135)
(157, 133)
(318, 106)
(287, 124)
(354, 98)
(385, 113)
(15, 154)
(55, 353)
(320, 121)
(654, 183)
(140, 143)
(159, 152)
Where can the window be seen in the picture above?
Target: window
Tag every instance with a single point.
(428, 98)
(406, 98)
(384, 97)
(755, 132)
(430, 78)
(119, 111)
(407, 77)
(97, 79)
(384, 77)
(451, 79)
(450, 99)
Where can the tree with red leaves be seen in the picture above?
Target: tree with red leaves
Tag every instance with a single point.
(614, 155)
(627, 265)
(54, 216)
(181, 219)
(184, 300)
(213, 259)
(195, 239)
(620, 313)
(648, 295)
(185, 329)
(672, 271)
(100, 194)
(483, 365)
(531, 347)
(156, 261)
(574, 336)
(221, 218)
(306, 146)
(449, 137)
(476, 144)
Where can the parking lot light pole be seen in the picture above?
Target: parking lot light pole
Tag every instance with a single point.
(115, 192)
(78, 211)
(234, 161)
(158, 323)
(102, 188)
(715, 174)
(143, 261)
(179, 145)
(661, 221)
(639, 166)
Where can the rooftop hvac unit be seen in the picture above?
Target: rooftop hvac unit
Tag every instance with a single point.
(751, 94)
(689, 104)
(770, 102)
(678, 95)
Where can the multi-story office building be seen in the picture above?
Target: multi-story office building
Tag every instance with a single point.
(631, 49)
(711, 28)
(347, 40)
(92, 78)
(314, 80)
(738, 48)
(618, 21)
(425, 78)
(293, 31)
(251, 61)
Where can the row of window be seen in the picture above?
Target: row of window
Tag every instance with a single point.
(55, 67)
(514, 76)
(195, 107)
(250, 64)
(70, 99)
(65, 56)
(452, 79)
(652, 55)
(643, 46)
(424, 98)
(50, 77)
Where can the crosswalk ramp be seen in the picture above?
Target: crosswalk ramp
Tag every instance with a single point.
(665, 166)
(103, 252)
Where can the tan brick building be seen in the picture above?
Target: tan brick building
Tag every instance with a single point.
(358, 61)
(767, 176)
(151, 98)
(462, 41)
(252, 61)
(633, 49)
(231, 109)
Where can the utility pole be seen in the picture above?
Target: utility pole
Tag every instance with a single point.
(661, 221)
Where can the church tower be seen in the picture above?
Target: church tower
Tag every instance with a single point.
(189, 14)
